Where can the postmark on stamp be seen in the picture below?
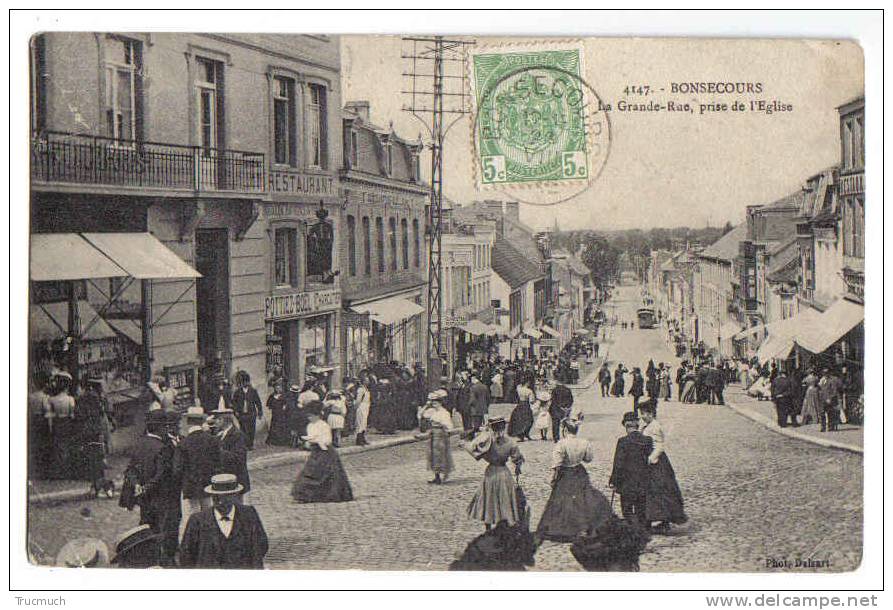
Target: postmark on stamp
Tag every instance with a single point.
(537, 123)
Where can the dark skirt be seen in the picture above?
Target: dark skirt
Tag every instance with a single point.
(663, 501)
(614, 547)
(278, 434)
(322, 479)
(502, 548)
(521, 420)
(574, 507)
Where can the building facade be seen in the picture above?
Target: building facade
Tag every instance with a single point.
(714, 296)
(383, 245)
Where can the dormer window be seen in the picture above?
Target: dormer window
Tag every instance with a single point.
(354, 149)
(388, 159)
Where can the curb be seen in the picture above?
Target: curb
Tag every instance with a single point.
(261, 463)
(774, 427)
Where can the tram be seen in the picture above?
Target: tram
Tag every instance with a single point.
(646, 317)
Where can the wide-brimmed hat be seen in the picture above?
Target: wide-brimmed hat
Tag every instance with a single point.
(83, 553)
(496, 421)
(629, 416)
(218, 412)
(194, 413)
(138, 547)
(224, 485)
(296, 388)
(172, 417)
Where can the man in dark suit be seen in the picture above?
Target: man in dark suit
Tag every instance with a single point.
(247, 406)
(781, 394)
(155, 486)
(217, 394)
(196, 460)
(479, 402)
(637, 388)
(560, 408)
(716, 383)
(233, 450)
(604, 380)
(229, 535)
(629, 476)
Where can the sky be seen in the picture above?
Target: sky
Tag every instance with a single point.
(663, 169)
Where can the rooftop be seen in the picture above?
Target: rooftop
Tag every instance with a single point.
(513, 266)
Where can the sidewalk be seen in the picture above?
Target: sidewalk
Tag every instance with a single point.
(263, 456)
(848, 437)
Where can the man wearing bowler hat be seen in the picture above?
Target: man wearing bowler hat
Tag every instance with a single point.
(227, 536)
(155, 486)
(629, 476)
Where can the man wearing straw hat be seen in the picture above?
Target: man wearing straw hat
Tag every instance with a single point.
(227, 536)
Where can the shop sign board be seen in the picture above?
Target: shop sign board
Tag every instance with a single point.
(301, 304)
(283, 182)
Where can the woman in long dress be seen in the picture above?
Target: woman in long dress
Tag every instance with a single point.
(277, 404)
(496, 501)
(436, 418)
(496, 387)
(664, 393)
(689, 393)
(663, 499)
(521, 419)
(811, 411)
(574, 506)
(323, 478)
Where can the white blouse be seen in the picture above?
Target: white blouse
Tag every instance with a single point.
(525, 394)
(320, 433)
(571, 451)
(656, 431)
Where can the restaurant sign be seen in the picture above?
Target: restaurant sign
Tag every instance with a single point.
(300, 304)
(297, 183)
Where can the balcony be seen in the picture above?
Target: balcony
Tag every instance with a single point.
(85, 160)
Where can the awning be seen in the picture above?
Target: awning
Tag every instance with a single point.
(834, 323)
(67, 256)
(76, 256)
(49, 321)
(476, 327)
(729, 330)
(550, 331)
(532, 332)
(142, 256)
(775, 346)
(130, 328)
(389, 311)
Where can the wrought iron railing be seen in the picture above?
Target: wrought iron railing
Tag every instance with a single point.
(86, 159)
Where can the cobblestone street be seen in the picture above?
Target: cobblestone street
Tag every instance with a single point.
(752, 497)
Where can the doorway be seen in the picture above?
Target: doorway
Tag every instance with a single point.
(212, 299)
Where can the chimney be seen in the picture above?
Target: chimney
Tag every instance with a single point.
(513, 210)
(359, 108)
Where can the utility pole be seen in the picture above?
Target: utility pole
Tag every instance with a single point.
(436, 69)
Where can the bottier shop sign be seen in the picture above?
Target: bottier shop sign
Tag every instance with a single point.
(298, 304)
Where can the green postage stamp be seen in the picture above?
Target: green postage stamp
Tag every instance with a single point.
(533, 117)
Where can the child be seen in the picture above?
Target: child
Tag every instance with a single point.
(542, 420)
(336, 407)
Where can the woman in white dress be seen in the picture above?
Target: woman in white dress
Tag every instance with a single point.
(663, 499)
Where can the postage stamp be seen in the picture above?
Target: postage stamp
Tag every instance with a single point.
(537, 121)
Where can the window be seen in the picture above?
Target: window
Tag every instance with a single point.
(285, 256)
(415, 242)
(416, 168)
(388, 159)
(392, 240)
(121, 63)
(316, 126)
(352, 245)
(404, 235)
(367, 247)
(284, 149)
(354, 149)
(859, 144)
(208, 84)
(379, 243)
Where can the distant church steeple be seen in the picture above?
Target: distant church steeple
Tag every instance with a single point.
(555, 228)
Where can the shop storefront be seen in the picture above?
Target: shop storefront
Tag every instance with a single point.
(384, 331)
(301, 333)
(92, 312)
